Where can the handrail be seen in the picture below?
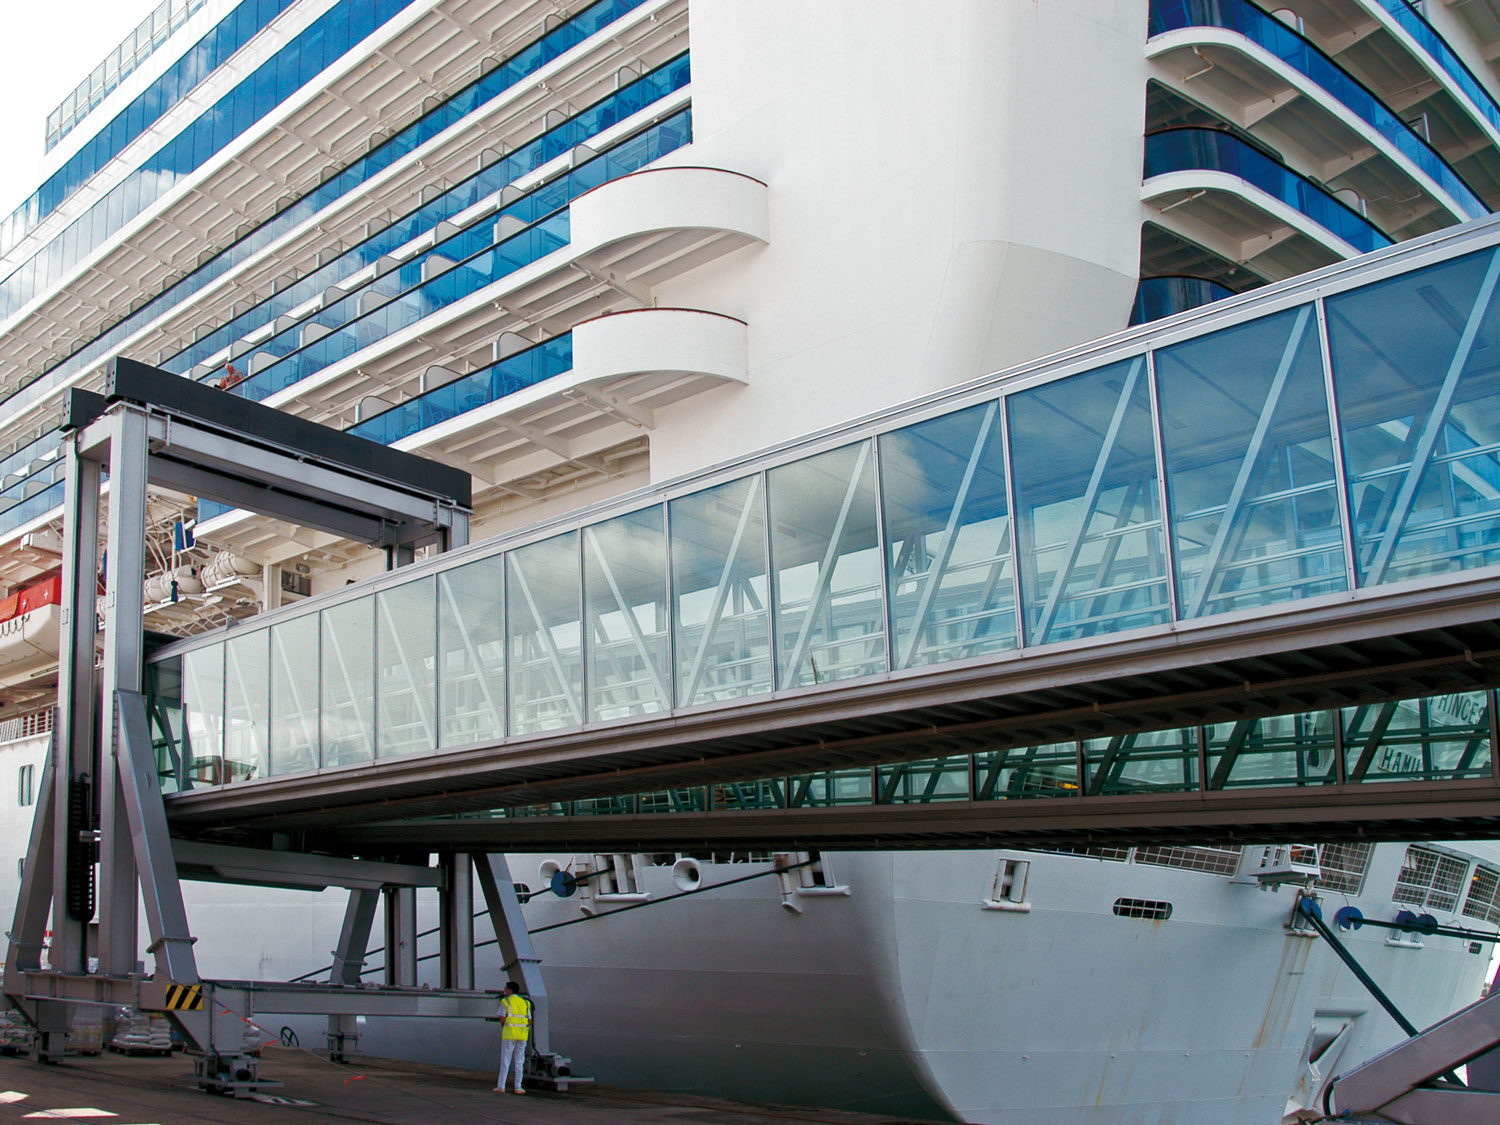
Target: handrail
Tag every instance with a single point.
(1195, 148)
(1282, 41)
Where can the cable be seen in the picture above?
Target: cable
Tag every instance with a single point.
(571, 922)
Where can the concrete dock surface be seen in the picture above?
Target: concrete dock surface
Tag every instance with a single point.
(112, 1089)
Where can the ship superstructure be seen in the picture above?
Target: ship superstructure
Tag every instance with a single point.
(576, 251)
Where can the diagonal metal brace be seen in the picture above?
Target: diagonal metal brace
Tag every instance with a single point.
(171, 943)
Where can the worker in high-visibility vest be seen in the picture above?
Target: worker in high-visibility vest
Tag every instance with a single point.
(515, 1030)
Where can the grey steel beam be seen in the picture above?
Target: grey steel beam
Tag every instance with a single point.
(1388, 811)
(225, 863)
(260, 498)
(122, 678)
(1381, 1084)
(1088, 501)
(518, 956)
(74, 735)
(28, 930)
(456, 922)
(401, 937)
(354, 937)
(1233, 505)
(140, 794)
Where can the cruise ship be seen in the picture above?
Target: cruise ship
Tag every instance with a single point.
(577, 250)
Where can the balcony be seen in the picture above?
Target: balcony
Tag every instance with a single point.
(547, 416)
(1255, 71)
(1217, 191)
(1160, 297)
(1394, 51)
(570, 64)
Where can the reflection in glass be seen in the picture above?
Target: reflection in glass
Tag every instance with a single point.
(947, 528)
(722, 640)
(826, 568)
(625, 597)
(1414, 367)
(1050, 770)
(247, 704)
(1163, 761)
(406, 707)
(348, 710)
(164, 715)
(294, 695)
(920, 783)
(1439, 738)
(471, 651)
(546, 668)
(203, 704)
(1281, 750)
(1086, 492)
(1249, 458)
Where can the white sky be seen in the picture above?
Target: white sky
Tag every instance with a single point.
(48, 48)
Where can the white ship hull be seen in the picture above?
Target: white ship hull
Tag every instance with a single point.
(905, 995)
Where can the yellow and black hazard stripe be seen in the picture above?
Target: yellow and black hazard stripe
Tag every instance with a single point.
(184, 998)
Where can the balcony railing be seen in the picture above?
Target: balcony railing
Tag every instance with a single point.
(1436, 47)
(1284, 43)
(483, 90)
(485, 183)
(453, 270)
(1210, 150)
(1158, 297)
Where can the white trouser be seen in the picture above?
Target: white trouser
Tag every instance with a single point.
(512, 1057)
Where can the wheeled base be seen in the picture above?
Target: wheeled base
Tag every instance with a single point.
(235, 1075)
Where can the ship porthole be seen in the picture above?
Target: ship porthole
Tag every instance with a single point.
(687, 874)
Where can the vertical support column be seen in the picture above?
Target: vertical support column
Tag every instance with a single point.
(458, 532)
(123, 671)
(74, 740)
(348, 960)
(520, 959)
(456, 920)
(401, 937)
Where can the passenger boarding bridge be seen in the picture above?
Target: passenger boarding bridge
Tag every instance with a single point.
(1234, 574)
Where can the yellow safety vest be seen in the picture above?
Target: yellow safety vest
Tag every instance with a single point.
(517, 1012)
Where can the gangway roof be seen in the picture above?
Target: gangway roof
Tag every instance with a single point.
(235, 451)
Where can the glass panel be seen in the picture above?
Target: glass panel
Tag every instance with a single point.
(1249, 456)
(348, 708)
(625, 596)
(1163, 761)
(1281, 750)
(294, 695)
(165, 717)
(546, 668)
(723, 642)
(1435, 739)
(1086, 493)
(406, 705)
(826, 562)
(920, 783)
(203, 703)
(247, 705)
(1027, 771)
(471, 648)
(947, 526)
(1414, 366)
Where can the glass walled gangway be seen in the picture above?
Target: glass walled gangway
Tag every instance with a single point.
(1289, 501)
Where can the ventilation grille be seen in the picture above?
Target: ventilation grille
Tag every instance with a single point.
(1151, 908)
